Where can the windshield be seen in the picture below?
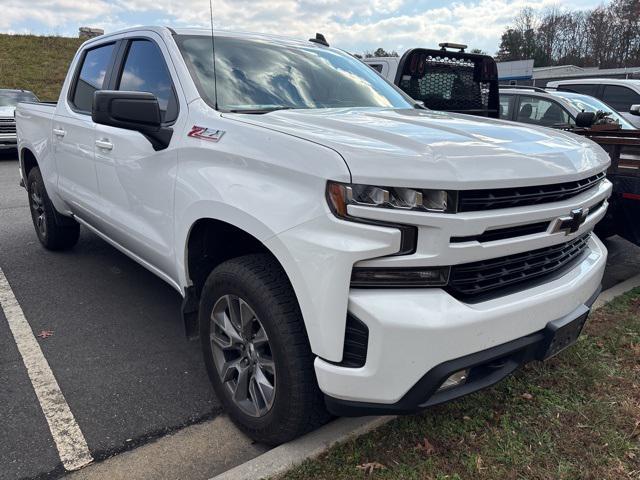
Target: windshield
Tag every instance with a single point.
(585, 103)
(257, 76)
(9, 98)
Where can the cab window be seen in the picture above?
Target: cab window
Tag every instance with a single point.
(620, 98)
(543, 112)
(92, 76)
(145, 70)
(506, 106)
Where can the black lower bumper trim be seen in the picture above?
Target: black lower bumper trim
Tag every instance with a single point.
(486, 368)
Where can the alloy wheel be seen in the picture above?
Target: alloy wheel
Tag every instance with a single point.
(37, 210)
(242, 355)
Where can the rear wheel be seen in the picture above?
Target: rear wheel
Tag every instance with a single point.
(54, 231)
(256, 350)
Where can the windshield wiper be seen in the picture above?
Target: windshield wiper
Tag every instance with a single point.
(257, 111)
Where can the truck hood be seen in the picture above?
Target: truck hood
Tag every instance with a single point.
(7, 112)
(428, 149)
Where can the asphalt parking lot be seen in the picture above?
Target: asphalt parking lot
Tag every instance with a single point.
(116, 345)
(117, 350)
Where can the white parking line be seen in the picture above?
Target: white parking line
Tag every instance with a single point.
(70, 442)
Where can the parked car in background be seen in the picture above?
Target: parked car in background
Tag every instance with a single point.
(445, 80)
(587, 116)
(338, 249)
(621, 94)
(553, 108)
(8, 101)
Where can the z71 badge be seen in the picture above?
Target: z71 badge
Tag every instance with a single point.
(205, 133)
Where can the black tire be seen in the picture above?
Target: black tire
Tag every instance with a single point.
(54, 231)
(298, 405)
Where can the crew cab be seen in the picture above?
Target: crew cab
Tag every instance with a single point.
(338, 248)
(8, 100)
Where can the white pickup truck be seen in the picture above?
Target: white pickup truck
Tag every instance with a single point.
(339, 249)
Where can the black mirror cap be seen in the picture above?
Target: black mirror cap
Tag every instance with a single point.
(138, 111)
(585, 119)
(635, 110)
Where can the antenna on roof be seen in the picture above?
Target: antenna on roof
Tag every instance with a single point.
(320, 39)
(213, 54)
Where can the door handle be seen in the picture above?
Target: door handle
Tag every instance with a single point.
(59, 132)
(104, 144)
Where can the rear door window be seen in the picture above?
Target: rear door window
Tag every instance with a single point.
(92, 76)
(145, 70)
(543, 112)
(620, 98)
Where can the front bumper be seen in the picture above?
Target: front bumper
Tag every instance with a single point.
(415, 332)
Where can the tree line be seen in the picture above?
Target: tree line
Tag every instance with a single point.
(607, 36)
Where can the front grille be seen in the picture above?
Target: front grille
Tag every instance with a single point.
(473, 200)
(473, 280)
(7, 125)
(503, 233)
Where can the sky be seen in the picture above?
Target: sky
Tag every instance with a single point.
(354, 25)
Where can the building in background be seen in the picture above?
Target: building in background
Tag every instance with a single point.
(521, 72)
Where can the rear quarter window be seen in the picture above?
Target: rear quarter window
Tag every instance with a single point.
(92, 76)
(506, 106)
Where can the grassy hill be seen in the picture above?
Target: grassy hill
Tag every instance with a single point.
(36, 63)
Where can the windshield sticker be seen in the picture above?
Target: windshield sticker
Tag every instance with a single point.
(205, 133)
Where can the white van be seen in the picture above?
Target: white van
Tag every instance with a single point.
(621, 94)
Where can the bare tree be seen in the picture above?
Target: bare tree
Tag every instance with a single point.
(607, 36)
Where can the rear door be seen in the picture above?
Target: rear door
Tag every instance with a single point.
(136, 183)
(73, 132)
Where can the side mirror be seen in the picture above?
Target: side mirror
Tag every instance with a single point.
(585, 119)
(635, 110)
(138, 111)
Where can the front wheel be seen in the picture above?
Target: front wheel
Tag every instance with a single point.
(256, 350)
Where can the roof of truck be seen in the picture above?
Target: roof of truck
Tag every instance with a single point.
(164, 30)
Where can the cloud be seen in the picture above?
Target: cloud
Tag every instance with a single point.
(356, 25)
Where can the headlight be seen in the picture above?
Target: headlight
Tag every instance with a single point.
(337, 197)
(340, 195)
(407, 277)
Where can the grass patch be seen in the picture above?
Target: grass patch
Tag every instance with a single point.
(36, 63)
(576, 416)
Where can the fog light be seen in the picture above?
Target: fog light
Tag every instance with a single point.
(455, 380)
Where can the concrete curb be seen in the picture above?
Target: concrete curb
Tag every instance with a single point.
(281, 459)
(616, 291)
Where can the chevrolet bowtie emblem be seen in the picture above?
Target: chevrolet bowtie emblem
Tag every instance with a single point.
(572, 223)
